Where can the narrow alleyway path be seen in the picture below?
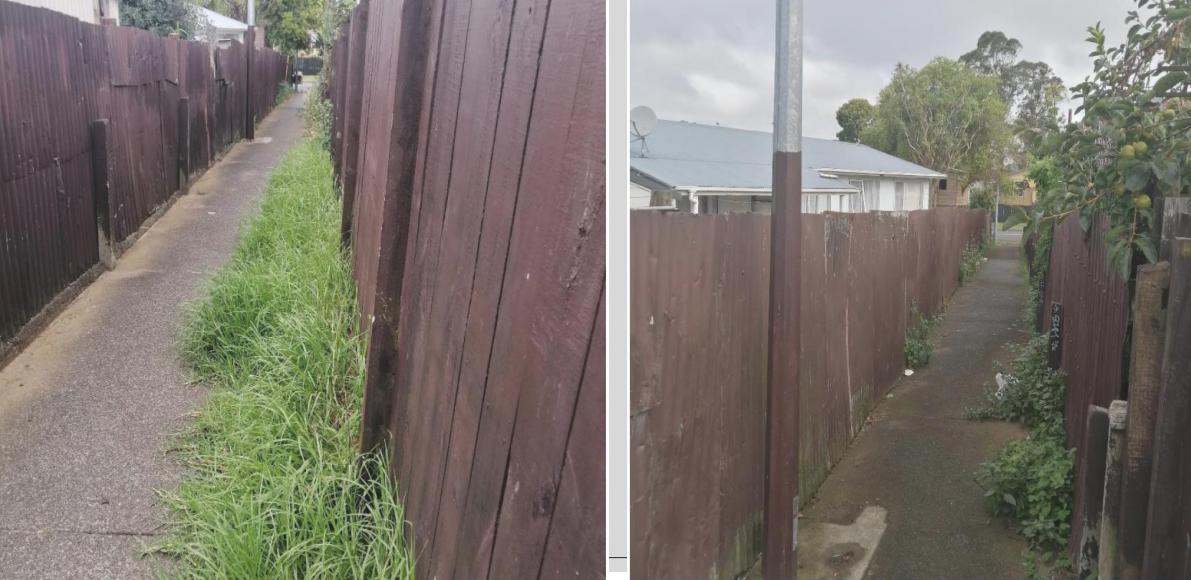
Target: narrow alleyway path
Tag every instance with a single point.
(913, 468)
(87, 411)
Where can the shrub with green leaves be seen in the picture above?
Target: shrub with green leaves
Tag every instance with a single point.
(1031, 479)
(274, 486)
(1131, 146)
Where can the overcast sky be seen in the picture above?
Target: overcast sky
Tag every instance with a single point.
(711, 61)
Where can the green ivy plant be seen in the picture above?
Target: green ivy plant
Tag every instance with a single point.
(1131, 146)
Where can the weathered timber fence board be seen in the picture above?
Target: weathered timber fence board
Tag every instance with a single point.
(698, 343)
(57, 77)
(469, 141)
(1095, 311)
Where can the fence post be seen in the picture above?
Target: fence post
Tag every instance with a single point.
(250, 105)
(1145, 371)
(780, 496)
(1175, 223)
(183, 141)
(1165, 545)
(1091, 483)
(101, 172)
(1110, 513)
(354, 95)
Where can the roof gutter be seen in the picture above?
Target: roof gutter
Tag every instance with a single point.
(881, 173)
(757, 191)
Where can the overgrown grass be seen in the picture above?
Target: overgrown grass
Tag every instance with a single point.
(284, 91)
(274, 488)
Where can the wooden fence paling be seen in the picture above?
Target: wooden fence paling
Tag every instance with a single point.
(1165, 545)
(476, 225)
(1085, 551)
(1109, 562)
(698, 310)
(351, 115)
(1145, 370)
(101, 167)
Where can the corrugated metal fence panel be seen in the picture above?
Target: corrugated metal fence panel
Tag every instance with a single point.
(698, 343)
(1095, 306)
(57, 75)
(46, 216)
(501, 299)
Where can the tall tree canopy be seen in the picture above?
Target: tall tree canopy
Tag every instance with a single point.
(1031, 90)
(854, 117)
(944, 116)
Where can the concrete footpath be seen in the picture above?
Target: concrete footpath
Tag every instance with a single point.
(903, 503)
(87, 411)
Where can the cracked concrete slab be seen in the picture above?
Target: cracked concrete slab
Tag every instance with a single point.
(87, 410)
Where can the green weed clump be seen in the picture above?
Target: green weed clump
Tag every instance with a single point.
(318, 113)
(274, 487)
(1032, 479)
(973, 256)
(918, 344)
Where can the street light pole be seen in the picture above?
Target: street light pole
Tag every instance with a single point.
(781, 418)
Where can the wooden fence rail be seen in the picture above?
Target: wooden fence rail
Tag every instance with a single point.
(698, 331)
(169, 107)
(469, 140)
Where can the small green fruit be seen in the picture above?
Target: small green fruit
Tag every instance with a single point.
(1168, 114)
(1140, 148)
(1142, 201)
(1119, 189)
(1127, 152)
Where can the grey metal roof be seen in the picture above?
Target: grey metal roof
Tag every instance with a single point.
(690, 154)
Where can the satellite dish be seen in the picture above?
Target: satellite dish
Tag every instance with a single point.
(642, 120)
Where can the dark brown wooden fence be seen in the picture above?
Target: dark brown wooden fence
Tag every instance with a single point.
(1149, 367)
(698, 326)
(57, 77)
(469, 140)
(1093, 317)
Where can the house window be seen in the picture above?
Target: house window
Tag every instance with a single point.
(943, 183)
(872, 195)
(899, 195)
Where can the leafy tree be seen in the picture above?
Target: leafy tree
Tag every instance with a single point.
(1031, 89)
(945, 116)
(854, 116)
(160, 17)
(1132, 144)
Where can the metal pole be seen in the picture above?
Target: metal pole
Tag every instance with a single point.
(251, 12)
(781, 418)
(997, 214)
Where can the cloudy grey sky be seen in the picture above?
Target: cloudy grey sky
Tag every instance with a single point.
(711, 61)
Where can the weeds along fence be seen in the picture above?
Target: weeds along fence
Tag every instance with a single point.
(699, 322)
(99, 125)
(468, 139)
(1132, 510)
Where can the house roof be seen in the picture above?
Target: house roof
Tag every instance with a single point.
(683, 154)
(219, 21)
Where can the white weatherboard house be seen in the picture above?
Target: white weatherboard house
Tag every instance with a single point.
(711, 169)
(214, 26)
